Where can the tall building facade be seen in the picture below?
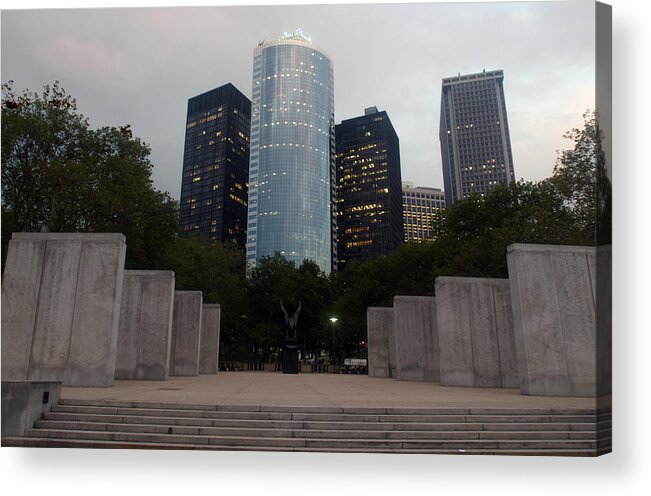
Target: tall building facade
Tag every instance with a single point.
(369, 198)
(474, 135)
(292, 153)
(421, 206)
(214, 186)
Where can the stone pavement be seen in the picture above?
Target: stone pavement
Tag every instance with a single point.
(276, 389)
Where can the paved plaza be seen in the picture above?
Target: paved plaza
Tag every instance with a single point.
(276, 389)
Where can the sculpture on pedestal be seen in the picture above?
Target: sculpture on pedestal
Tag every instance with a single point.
(290, 348)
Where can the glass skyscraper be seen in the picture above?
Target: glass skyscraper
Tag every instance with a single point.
(474, 134)
(291, 173)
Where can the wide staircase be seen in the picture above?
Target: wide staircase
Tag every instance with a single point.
(142, 425)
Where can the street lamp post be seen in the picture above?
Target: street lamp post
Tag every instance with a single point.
(333, 320)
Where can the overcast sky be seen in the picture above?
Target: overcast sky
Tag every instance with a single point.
(140, 66)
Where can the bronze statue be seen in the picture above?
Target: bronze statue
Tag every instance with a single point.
(290, 349)
(291, 323)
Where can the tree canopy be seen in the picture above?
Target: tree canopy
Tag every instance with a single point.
(276, 279)
(581, 179)
(58, 174)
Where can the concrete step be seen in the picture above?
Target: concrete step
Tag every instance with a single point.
(319, 425)
(289, 442)
(81, 443)
(172, 412)
(188, 421)
(331, 409)
(212, 408)
(320, 417)
(123, 424)
(311, 433)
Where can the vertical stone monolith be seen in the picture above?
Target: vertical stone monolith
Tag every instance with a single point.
(475, 329)
(416, 338)
(209, 354)
(61, 297)
(145, 331)
(381, 342)
(553, 295)
(186, 333)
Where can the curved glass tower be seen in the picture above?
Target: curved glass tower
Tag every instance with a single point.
(291, 173)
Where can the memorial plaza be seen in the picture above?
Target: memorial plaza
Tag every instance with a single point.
(319, 390)
(96, 356)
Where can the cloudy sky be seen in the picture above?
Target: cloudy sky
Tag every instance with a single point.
(140, 66)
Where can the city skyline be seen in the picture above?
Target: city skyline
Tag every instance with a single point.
(107, 60)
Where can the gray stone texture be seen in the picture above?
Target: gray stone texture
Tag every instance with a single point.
(186, 333)
(209, 354)
(24, 402)
(381, 342)
(61, 297)
(145, 330)
(475, 329)
(416, 338)
(553, 292)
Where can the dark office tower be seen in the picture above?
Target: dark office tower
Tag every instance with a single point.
(474, 134)
(214, 187)
(369, 193)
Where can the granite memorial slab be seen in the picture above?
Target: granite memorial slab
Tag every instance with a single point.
(186, 333)
(210, 324)
(145, 331)
(381, 342)
(61, 297)
(553, 295)
(475, 329)
(416, 338)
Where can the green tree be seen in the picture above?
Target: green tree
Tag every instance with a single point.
(580, 177)
(407, 271)
(273, 280)
(58, 174)
(218, 271)
(276, 279)
(314, 291)
(42, 154)
(359, 286)
(477, 230)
